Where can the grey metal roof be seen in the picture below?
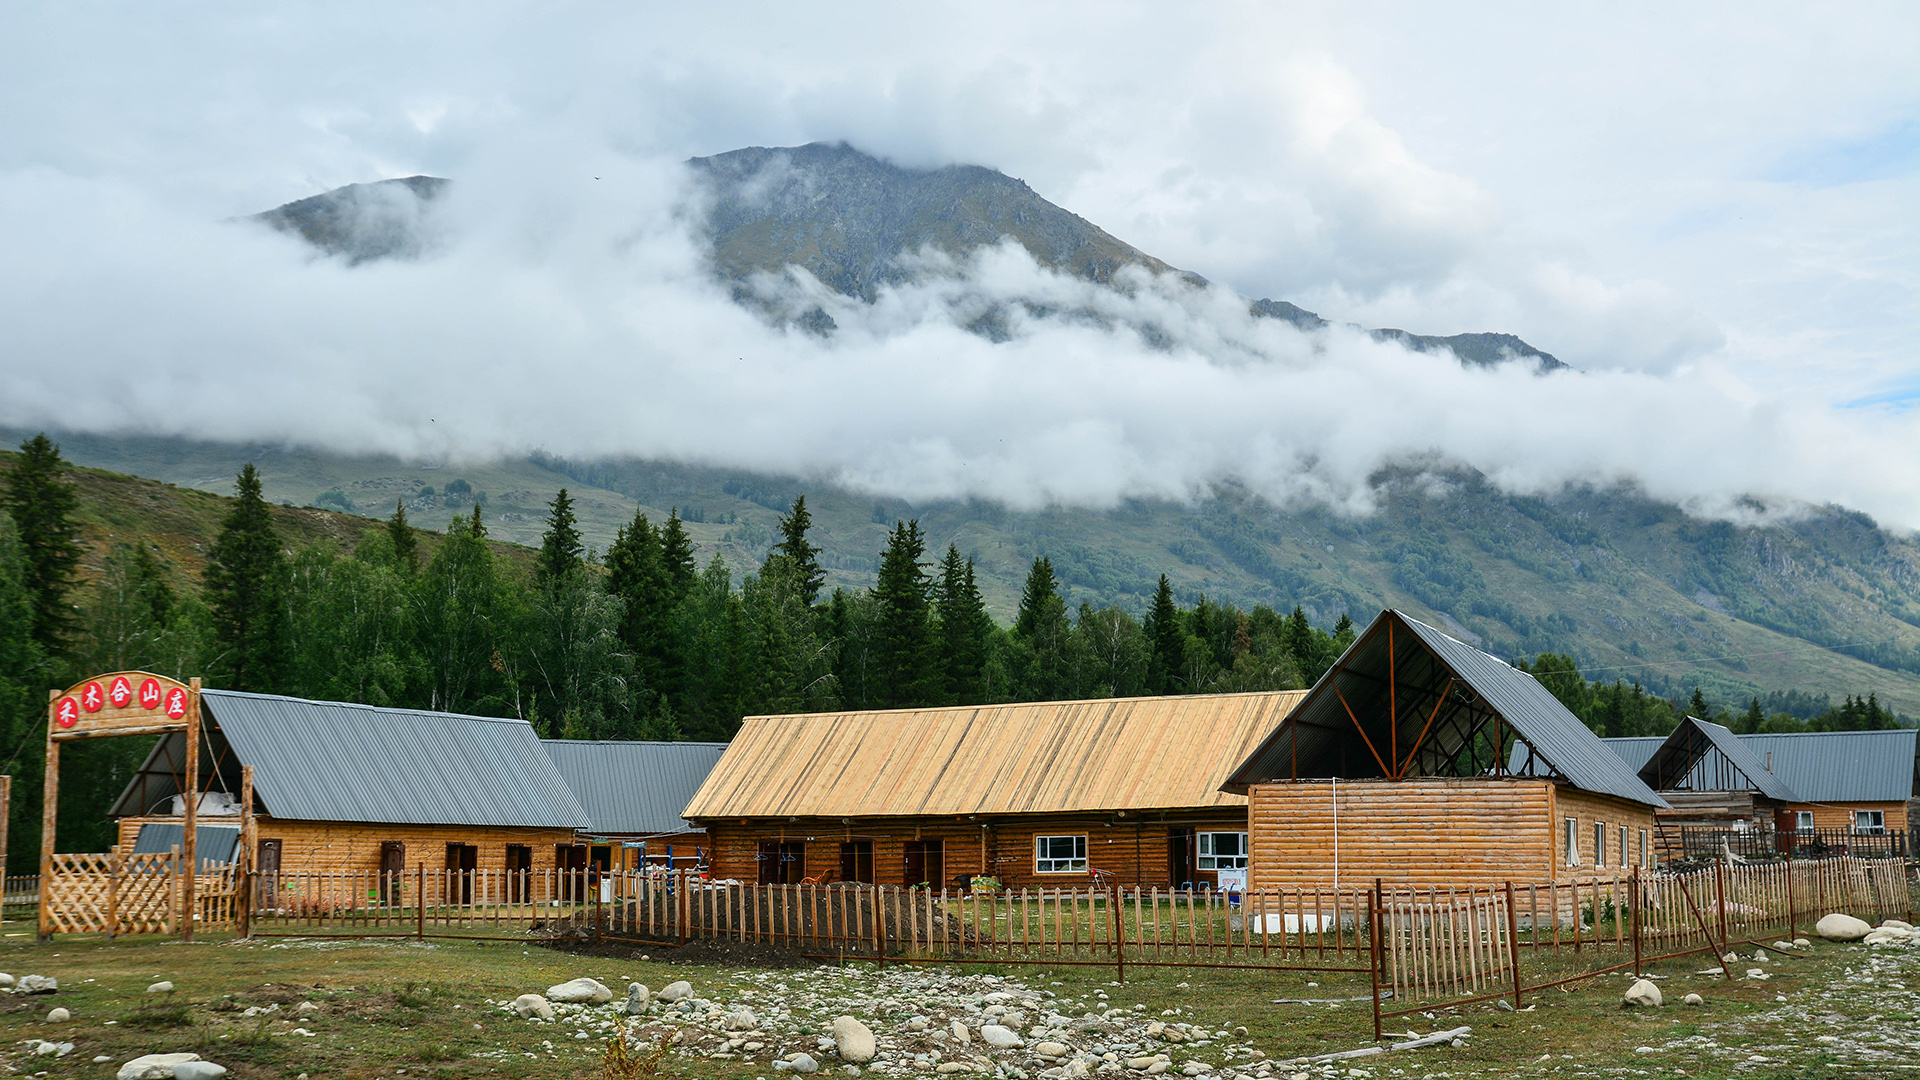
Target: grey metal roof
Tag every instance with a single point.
(333, 761)
(1822, 766)
(1685, 762)
(212, 845)
(635, 787)
(1383, 671)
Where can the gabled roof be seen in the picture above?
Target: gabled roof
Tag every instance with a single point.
(1156, 753)
(1823, 766)
(334, 761)
(1704, 756)
(1407, 700)
(634, 787)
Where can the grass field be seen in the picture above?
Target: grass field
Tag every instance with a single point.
(433, 1010)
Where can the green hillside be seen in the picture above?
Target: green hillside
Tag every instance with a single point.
(1630, 587)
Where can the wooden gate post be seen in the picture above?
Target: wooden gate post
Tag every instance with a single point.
(1513, 946)
(1116, 931)
(49, 807)
(1373, 966)
(190, 825)
(243, 876)
(1633, 915)
(6, 808)
(419, 901)
(1790, 912)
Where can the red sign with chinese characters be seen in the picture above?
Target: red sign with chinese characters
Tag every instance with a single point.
(120, 691)
(67, 712)
(150, 694)
(92, 697)
(176, 703)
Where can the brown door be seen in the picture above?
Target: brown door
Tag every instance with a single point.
(856, 861)
(1179, 857)
(570, 860)
(267, 862)
(462, 859)
(393, 871)
(519, 873)
(926, 862)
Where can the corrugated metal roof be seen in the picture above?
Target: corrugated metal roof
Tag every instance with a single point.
(1684, 761)
(1431, 669)
(1822, 766)
(634, 787)
(333, 761)
(212, 844)
(1157, 753)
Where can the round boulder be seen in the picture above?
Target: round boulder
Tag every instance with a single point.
(153, 1066)
(1693, 999)
(58, 1016)
(198, 1070)
(587, 991)
(1001, 1036)
(1839, 927)
(853, 1040)
(1642, 994)
(637, 996)
(676, 991)
(162, 987)
(530, 1005)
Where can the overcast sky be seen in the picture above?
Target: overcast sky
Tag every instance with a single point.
(1710, 209)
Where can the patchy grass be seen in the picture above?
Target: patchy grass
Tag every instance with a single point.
(413, 1010)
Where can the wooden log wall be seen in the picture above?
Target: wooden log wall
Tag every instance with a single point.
(327, 846)
(1411, 831)
(1588, 809)
(1840, 815)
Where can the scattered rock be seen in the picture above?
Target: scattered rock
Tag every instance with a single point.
(1053, 1050)
(1839, 927)
(1758, 973)
(740, 1019)
(1783, 946)
(528, 1005)
(1897, 924)
(6, 981)
(1884, 936)
(637, 997)
(1802, 943)
(676, 991)
(36, 984)
(153, 1066)
(306, 1008)
(58, 1016)
(1693, 999)
(52, 1049)
(1642, 993)
(164, 986)
(1003, 1037)
(853, 1040)
(589, 991)
(198, 1070)
(800, 1063)
(960, 1032)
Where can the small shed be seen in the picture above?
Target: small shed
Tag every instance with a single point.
(633, 792)
(1418, 758)
(338, 786)
(1049, 794)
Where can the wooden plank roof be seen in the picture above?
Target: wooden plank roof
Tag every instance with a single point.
(1153, 753)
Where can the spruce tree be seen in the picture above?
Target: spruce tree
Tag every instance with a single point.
(246, 579)
(1040, 590)
(1298, 636)
(406, 546)
(42, 504)
(636, 575)
(802, 557)
(676, 558)
(475, 528)
(1756, 716)
(1165, 640)
(1697, 707)
(964, 625)
(904, 643)
(561, 552)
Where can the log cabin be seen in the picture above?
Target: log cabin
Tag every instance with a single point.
(1852, 789)
(1713, 784)
(633, 792)
(1419, 759)
(1048, 794)
(344, 787)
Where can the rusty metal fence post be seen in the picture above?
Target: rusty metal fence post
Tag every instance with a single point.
(1373, 967)
(1513, 946)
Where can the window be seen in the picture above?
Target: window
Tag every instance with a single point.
(1870, 821)
(856, 861)
(1625, 851)
(1599, 843)
(1573, 843)
(1803, 820)
(1223, 851)
(1060, 854)
(1644, 861)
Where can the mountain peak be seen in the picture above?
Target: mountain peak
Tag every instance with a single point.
(379, 220)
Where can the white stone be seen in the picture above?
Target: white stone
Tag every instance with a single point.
(1883, 937)
(1896, 924)
(1838, 927)
(1783, 946)
(1802, 943)
(916, 1023)
(51, 1049)
(740, 1019)
(528, 1005)
(960, 1032)
(58, 1015)
(36, 984)
(637, 997)
(1053, 1050)
(6, 981)
(306, 1008)
(1003, 1037)
(676, 991)
(588, 991)
(951, 1067)
(800, 1063)
(161, 987)
(1693, 999)
(853, 1040)
(153, 1066)
(1196, 1068)
(1643, 992)
(198, 1070)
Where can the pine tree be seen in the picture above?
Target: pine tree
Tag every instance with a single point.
(801, 556)
(475, 528)
(463, 611)
(676, 558)
(1165, 639)
(636, 575)
(903, 645)
(964, 625)
(1697, 707)
(246, 580)
(1298, 636)
(1041, 588)
(42, 506)
(1755, 718)
(561, 552)
(1343, 632)
(406, 547)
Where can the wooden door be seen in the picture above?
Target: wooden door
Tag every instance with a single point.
(926, 861)
(571, 862)
(856, 861)
(393, 871)
(1179, 857)
(267, 860)
(519, 873)
(462, 860)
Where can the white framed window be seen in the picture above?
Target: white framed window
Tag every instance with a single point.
(1060, 854)
(1573, 842)
(1626, 852)
(1803, 820)
(1223, 851)
(1645, 859)
(1870, 821)
(1599, 843)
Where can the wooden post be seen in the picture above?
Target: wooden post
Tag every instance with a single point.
(113, 895)
(49, 803)
(190, 824)
(419, 902)
(1513, 945)
(1633, 912)
(1373, 966)
(1790, 912)
(1720, 897)
(1117, 931)
(681, 911)
(6, 809)
(244, 870)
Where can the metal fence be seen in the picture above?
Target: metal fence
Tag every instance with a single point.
(1698, 841)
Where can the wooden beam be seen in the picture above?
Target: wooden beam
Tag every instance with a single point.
(191, 820)
(1441, 700)
(49, 813)
(1384, 771)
